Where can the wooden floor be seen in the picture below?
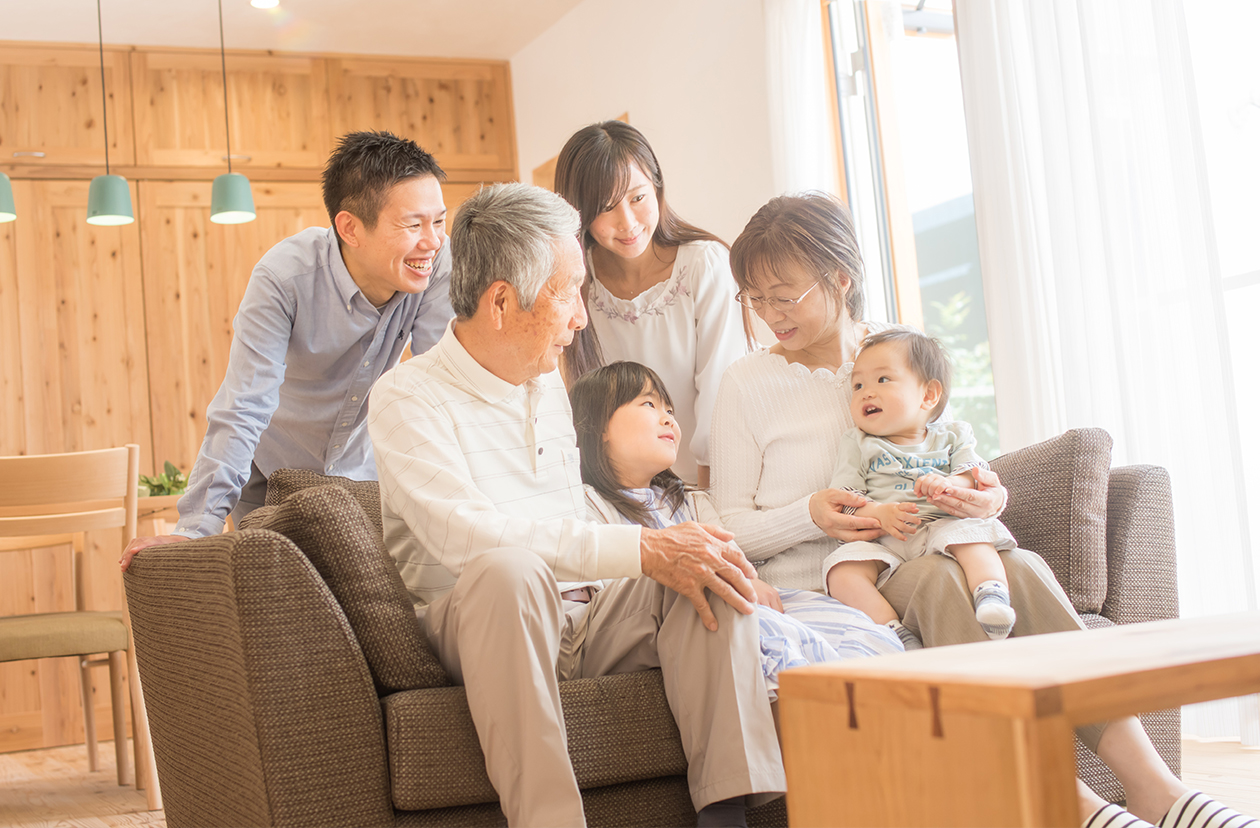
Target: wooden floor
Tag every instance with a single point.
(52, 787)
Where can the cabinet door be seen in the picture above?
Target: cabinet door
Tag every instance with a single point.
(75, 377)
(50, 103)
(278, 110)
(195, 275)
(461, 111)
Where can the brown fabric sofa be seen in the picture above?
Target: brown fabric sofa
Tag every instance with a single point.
(288, 683)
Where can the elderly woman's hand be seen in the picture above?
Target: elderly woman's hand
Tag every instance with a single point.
(826, 509)
(986, 500)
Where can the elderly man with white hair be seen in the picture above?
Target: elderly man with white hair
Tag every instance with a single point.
(485, 517)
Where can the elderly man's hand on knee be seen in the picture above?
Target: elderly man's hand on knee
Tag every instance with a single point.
(690, 557)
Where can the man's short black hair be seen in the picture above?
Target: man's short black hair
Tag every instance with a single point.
(365, 166)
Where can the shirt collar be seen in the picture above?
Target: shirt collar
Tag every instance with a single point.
(482, 382)
(346, 286)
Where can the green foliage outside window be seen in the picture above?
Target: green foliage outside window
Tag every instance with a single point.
(971, 398)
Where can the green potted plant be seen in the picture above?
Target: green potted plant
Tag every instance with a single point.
(170, 482)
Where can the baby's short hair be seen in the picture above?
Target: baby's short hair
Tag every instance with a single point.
(926, 356)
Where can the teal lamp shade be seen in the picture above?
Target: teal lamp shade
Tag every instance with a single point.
(231, 201)
(109, 201)
(8, 212)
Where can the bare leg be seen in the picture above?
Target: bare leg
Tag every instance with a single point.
(980, 562)
(1090, 802)
(853, 582)
(1149, 786)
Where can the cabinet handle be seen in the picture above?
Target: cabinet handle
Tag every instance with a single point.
(28, 154)
(238, 157)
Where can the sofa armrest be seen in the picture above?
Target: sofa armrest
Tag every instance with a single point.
(260, 704)
(1141, 552)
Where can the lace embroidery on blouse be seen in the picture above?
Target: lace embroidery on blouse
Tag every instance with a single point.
(655, 308)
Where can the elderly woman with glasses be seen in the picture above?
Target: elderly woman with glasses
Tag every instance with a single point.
(776, 437)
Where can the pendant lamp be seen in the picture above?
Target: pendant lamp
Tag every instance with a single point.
(109, 200)
(7, 211)
(231, 201)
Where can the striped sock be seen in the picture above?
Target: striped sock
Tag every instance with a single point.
(908, 639)
(1196, 809)
(1113, 816)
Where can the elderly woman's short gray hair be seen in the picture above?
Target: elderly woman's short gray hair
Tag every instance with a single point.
(507, 232)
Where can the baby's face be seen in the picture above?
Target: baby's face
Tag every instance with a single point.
(889, 399)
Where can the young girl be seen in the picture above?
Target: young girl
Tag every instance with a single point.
(659, 291)
(898, 455)
(628, 438)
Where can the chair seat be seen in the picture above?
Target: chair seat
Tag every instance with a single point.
(55, 634)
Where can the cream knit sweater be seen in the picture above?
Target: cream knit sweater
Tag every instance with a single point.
(775, 440)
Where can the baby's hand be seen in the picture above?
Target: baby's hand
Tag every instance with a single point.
(930, 485)
(897, 519)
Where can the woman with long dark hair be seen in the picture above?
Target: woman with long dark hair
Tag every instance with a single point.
(659, 290)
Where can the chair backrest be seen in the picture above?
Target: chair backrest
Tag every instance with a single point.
(59, 494)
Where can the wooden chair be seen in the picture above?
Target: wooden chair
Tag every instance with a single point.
(51, 500)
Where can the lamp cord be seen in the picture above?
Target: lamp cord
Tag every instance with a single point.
(223, 62)
(100, 40)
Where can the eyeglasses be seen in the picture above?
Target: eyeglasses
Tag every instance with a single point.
(756, 303)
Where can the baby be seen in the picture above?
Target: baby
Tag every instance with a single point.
(899, 456)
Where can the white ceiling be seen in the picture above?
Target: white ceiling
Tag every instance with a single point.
(428, 28)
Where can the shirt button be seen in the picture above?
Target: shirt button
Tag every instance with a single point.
(366, 363)
(540, 451)
(343, 425)
(337, 446)
(347, 307)
(354, 399)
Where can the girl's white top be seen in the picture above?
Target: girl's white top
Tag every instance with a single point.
(687, 329)
(776, 439)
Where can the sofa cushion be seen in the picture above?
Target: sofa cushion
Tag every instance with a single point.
(619, 728)
(1058, 509)
(330, 528)
(286, 482)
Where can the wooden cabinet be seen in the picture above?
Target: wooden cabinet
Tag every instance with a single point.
(461, 111)
(278, 110)
(75, 344)
(75, 377)
(195, 273)
(50, 103)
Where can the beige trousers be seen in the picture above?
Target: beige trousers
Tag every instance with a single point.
(931, 597)
(504, 634)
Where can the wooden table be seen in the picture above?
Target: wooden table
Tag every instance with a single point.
(981, 734)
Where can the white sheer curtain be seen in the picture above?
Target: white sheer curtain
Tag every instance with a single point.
(802, 157)
(1102, 283)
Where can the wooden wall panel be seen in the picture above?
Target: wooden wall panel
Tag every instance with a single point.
(195, 274)
(76, 377)
(50, 102)
(278, 110)
(81, 317)
(459, 111)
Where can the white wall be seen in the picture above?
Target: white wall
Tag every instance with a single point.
(692, 75)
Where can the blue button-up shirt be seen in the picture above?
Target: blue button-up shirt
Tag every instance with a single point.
(307, 346)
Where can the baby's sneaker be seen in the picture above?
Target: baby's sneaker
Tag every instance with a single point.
(908, 639)
(993, 609)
